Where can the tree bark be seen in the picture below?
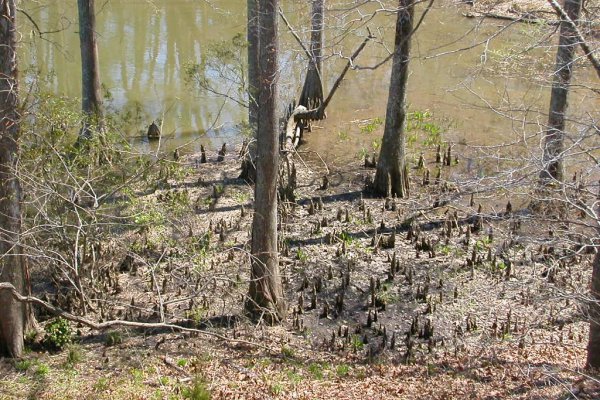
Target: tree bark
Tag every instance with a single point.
(248, 162)
(253, 64)
(266, 298)
(593, 349)
(312, 92)
(91, 100)
(390, 178)
(587, 50)
(553, 168)
(12, 265)
(593, 355)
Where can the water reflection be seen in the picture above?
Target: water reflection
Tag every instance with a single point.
(145, 44)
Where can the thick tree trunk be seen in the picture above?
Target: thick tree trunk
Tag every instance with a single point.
(316, 33)
(312, 92)
(266, 292)
(248, 162)
(553, 168)
(91, 100)
(391, 177)
(12, 267)
(593, 356)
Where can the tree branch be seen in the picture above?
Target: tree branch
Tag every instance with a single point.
(293, 32)
(584, 45)
(389, 57)
(4, 286)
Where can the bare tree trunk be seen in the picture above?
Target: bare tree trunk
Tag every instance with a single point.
(391, 177)
(248, 167)
(253, 64)
(553, 168)
(312, 92)
(316, 33)
(12, 266)
(593, 355)
(266, 292)
(91, 101)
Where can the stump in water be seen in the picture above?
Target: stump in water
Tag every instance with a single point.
(312, 92)
(153, 131)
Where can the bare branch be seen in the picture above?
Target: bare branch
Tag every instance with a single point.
(584, 45)
(117, 323)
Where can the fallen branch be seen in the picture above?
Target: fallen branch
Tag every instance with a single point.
(118, 323)
(527, 18)
(292, 130)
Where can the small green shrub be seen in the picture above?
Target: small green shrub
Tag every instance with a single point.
(113, 338)
(372, 125)
(346, 238)
(74, 355)
(137, 375)
(357, 343)
(198, 391)
(42, 370)
(182, 362)
(22, 365)
(342, 370)
(287, 352)
(301, 255)
(58, 334)
(276, 389)
(294, 376)
(316, 369)
(101, 385)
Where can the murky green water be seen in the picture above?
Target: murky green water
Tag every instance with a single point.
(144, 46)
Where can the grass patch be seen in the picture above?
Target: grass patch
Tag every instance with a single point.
(197, 391)
(342, 370)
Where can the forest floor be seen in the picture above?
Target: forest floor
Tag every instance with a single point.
(462, 303)
(443, 295)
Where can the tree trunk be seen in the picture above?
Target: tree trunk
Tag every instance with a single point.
(266, 292)
(312, 92)
(12, 266)
(593, 356)
(248, 163)
(91, 101)
(391, 177)
(553, 168)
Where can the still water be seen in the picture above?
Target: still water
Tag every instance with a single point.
(145, 45)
